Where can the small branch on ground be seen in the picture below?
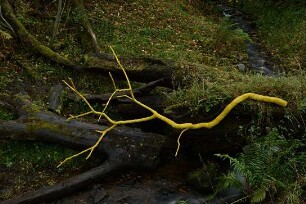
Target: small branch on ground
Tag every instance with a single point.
(156, 115)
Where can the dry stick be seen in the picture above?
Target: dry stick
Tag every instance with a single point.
(155, 114)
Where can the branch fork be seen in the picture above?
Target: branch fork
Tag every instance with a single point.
(183, 126)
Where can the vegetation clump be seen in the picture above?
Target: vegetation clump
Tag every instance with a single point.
(202, 88)
(274, 168)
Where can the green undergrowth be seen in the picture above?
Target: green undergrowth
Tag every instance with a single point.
(273, 165)
(168, 29)
(31, 157)
(6, 115)
(281, 26)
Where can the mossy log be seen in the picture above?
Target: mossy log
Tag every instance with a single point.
(140, 69)
(125, 147)
(29, 39)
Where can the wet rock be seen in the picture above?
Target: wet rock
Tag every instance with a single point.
(241, 67)
(251, 48)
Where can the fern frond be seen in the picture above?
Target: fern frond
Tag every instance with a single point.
(238, 166)
(227, 181)
(259, 195)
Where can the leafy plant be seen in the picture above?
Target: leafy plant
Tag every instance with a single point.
(181, 202)
(272, 165)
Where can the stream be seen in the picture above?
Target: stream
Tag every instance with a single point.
(258, 61)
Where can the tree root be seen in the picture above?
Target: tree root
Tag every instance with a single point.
(125, 147)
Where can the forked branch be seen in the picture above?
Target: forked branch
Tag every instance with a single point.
(183, 126)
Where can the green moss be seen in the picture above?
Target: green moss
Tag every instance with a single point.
(43, 125)
(33, 156)
(202, 88)
(32, 165)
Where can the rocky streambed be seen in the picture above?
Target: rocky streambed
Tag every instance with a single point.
(258, 59)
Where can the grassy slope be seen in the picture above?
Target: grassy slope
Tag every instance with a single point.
(167, 29)
(208, 87)
(190, 34)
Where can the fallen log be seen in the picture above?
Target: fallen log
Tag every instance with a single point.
(125, 147)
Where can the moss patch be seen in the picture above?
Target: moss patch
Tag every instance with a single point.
(201, 88)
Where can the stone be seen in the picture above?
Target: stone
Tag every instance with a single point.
(241, 67)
